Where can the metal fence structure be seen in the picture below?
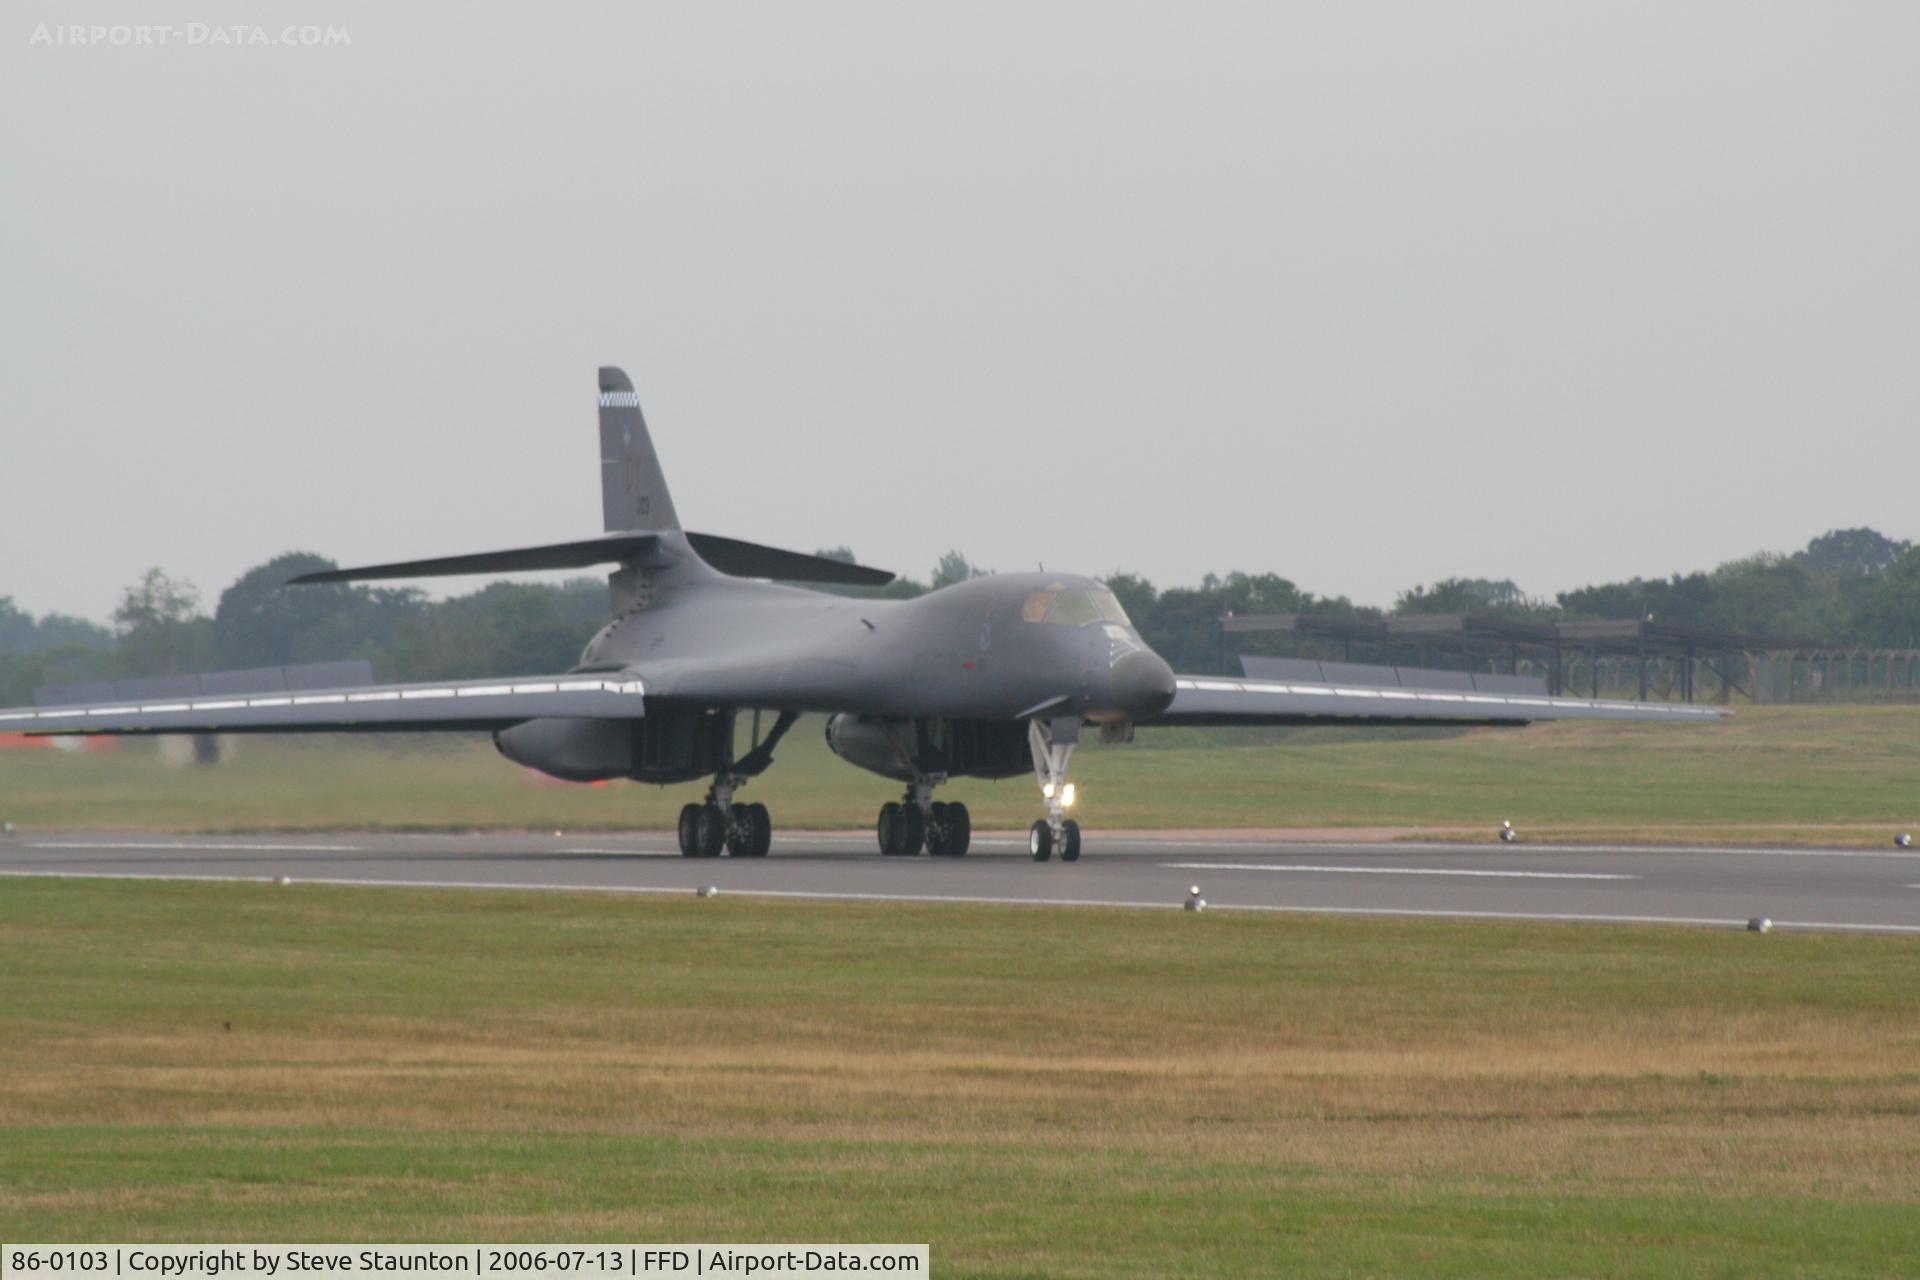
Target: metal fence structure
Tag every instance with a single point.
(1637, 657)
(1859, 674)
(1632, 657)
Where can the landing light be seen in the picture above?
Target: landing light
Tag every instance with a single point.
(1046, 790)
(1066, 795)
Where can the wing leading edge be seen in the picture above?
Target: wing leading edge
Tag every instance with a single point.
(1222, 700)
(453, 704)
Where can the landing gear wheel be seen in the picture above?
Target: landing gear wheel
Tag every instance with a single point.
(1040, 841)
(937, 829)
(913, 831)
(713, 831)
(902, 830)
(690, 831)
(1070, 841)
(950, 831)
(762, 830)
(752, 832)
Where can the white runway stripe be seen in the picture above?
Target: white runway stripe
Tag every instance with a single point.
(203, 846)
(1397, 871)
(628, 853)
(682, 890)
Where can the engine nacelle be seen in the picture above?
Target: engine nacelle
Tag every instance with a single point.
(577, 750)
(866, 742)
(902, 749)
(668, 745)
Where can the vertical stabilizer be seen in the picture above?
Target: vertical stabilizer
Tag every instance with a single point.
(633, 492)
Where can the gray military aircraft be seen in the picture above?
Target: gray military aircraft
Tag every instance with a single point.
(991, 677)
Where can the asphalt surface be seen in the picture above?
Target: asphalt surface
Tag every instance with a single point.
(1869, 890)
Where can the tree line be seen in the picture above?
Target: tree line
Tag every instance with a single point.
(1848, 586)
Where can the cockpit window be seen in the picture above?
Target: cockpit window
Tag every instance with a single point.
(1109, 606)
(1073, 609)
(1035, 609)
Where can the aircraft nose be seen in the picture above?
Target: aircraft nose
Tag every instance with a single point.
(1142, 685)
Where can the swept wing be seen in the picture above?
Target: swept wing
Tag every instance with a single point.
(445, 704)
(1225, 700)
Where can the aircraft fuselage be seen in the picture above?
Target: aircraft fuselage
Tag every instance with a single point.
(954, 672)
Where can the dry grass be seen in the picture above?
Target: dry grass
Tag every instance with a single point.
(1037, 1092)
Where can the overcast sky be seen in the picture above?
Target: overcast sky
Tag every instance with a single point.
(1366, 295)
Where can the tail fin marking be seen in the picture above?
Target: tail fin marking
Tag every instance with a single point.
(633, 490)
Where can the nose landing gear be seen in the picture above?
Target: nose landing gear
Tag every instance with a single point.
(1053, 742)
(1041, 842)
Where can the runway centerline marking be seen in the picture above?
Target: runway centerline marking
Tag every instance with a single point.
(1398, 871)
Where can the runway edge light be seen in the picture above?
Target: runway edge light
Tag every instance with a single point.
(1759, 924)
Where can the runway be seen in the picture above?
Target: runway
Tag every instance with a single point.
(1866, 890)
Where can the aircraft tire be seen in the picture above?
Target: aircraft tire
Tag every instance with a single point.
(1070, 842)
(959, 830)
(913, 834)
(939, 826)
(888, 829)
(690, 831)
(743, 836)
(760, 823)
(1040, 841)
(713, 831)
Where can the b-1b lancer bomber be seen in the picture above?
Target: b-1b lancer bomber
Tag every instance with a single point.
(992, 677)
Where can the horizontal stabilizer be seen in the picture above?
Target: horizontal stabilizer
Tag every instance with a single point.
(751, 560)
(620, 548)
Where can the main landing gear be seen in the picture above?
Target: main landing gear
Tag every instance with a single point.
(1053, 742)
(919, 821)
(743, 830)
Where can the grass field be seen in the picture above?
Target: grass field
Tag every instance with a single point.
(1820, 774)
(1067, 1093)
